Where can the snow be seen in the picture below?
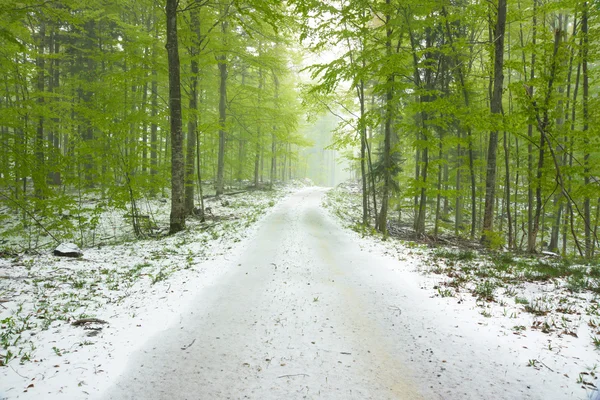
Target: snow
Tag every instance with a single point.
(139, 287)
(68, 250)
(554, 350)
(291, 306)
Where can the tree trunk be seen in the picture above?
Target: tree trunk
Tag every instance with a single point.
(389, 97)
(222, 113)
(153, 114)
(507, 191)
(39, 175)
(193, 117)
(496, 109)
(363, 153)
(586, 157)
(177, 220)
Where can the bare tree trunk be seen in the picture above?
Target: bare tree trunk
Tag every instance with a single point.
(39, 175)
(586, 157)
(363, 153)
(154, 113)
(193, 117)
(370, 165)
(274, 138)
(438, 200)
(531, 243)
(222, 114)
(458, 204)
(496, 109)
(507, 190)
(177, 220)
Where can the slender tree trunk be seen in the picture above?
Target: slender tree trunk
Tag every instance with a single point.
(192, 126)
(371, 174)
(258, 138)
(154, 113)
(424, 99)
(438, 201)
(387, 142)
(586, 157)
(557, 201)
(222, 59)
(458, 204)
(177, 219)
(496, 109)
(274, 137)
(39, 174)
(507, 190)
(363, 150)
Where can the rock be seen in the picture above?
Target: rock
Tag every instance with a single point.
(550, 253)
(68, 250)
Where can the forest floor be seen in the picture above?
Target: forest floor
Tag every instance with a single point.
(293, 306)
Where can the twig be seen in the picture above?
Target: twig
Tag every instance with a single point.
(189, 345)
(541, 362)
(58, 269)
(84, 321)
(25, 377)
(292, 375)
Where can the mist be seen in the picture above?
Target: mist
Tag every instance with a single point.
(324, 165)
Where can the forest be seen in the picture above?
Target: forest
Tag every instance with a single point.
(475, 119)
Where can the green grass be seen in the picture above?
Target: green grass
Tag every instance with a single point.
(485, 290)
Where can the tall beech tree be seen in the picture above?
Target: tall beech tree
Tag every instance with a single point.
(177, 157)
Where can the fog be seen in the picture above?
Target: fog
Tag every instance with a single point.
(323, 165)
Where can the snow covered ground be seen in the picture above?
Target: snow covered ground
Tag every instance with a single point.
(137, 287)
(293, 306)
(547, 325)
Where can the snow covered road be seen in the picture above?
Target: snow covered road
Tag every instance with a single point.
(304, 312)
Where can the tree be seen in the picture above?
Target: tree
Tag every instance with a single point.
(177, 158)
(496, 110)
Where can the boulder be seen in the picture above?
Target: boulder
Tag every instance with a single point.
(68, 250)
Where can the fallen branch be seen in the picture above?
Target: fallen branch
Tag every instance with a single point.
(541, 362)
(189, 345)
(14, 277)
(84, 321)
